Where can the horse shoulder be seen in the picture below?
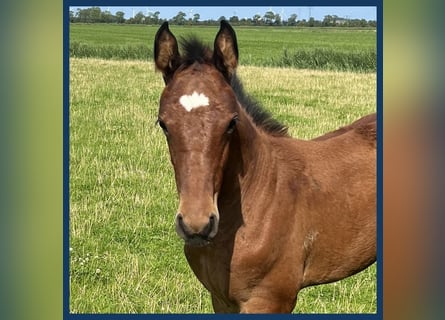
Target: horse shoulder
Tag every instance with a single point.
(339, 206)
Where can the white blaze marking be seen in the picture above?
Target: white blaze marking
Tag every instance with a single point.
(193, 101)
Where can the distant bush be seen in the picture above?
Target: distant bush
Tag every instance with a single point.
(316, 58)
(126, 52)
(327, 59)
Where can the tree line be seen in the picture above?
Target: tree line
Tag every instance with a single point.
(270, 18)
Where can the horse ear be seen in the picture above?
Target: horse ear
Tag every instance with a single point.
(225, 54)
(166, 53)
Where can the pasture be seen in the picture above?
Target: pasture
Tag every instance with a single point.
(125, 256)
(306, 48)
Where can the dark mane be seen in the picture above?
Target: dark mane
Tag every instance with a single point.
(261, 117)
(194, 50)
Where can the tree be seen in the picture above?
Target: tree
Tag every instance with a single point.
(95, 14)
(277, 19)
(120, 17)
(196, 17)
(311, 22)
(292, 20)
(179, 18)
(152, 18)
(234, 19)
(89, 15)
(246, 21)
(107, 17)
(257, 19)
(329, 21)
(372, 23)
(269, 18)
(139, 18)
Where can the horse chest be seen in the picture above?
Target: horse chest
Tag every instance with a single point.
(211, 267)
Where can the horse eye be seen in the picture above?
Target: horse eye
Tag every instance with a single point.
(163, 126)
(232, 124)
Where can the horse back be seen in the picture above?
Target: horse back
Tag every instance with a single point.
(365, 127)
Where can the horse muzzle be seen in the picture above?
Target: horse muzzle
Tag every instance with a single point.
(197, 233)
(195, 229)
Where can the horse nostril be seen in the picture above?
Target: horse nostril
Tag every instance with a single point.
(210, 228)
(180, 226)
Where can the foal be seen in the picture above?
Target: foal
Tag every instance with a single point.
(262, 215)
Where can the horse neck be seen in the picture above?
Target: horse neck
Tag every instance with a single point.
(251, 166)
(250, 155)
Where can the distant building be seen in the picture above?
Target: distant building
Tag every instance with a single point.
(341, 21)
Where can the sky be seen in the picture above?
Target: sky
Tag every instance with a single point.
(367, 13)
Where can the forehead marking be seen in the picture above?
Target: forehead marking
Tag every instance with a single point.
(194, 101)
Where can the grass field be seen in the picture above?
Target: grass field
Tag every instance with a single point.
(125, 256)
(315, 48)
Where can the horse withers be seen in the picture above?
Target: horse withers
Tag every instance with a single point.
(262, 215)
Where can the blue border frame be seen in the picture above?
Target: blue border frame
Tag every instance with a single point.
(66, 161)
(380, 158)
(66, 146)
(228, 3)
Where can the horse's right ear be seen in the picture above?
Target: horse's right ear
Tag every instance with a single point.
(166, 53)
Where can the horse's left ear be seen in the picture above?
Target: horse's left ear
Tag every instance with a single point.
(225, 54)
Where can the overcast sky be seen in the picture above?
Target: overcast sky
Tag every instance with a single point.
(367, 13)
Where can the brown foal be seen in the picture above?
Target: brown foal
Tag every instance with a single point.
(262, 215)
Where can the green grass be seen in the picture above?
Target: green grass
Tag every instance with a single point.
(315, 48)
(126, 256)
